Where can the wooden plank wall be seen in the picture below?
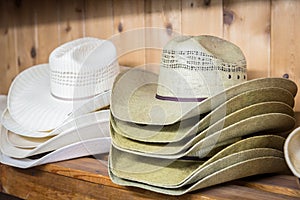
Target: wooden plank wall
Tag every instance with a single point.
(268, 31)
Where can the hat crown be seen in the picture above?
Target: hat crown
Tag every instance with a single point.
(82, 68)
(195, 68)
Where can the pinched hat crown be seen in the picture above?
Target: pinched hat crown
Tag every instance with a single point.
(195, 68)
(82, 68)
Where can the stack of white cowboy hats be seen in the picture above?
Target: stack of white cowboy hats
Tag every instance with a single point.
(199, 122)
(58, 110)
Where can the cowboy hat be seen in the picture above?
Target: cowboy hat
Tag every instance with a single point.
(85, 127)
(101, 101)
(43, 96)
(185, 128)
(261, 165)
(196, 146)
(33, 141)
(25, 142)
(154, 171)
(92, 146)
(139, 104)
(291, 151)
(3, 99)
(235, 161)
(197, 74)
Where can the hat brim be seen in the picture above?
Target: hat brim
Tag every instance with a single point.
(25, 142)
(3, 103)
(97, 102)
(31, 104)
(32, 142)
(81, 148)
(137, 103)
(101, 101)
(140, 164)
(187, 171)
(262, 165)
(292, 151)
(194, 146)
(185, 128)
(93, 125)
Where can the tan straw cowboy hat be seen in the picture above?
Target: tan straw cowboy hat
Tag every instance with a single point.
(197, 74)
(186, 128)
(234, 162)
(141, 169)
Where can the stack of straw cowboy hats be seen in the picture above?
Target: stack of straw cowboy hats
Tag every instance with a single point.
(199, 122)
(56, 111)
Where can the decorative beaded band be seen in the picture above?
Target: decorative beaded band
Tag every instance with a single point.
(195, 60)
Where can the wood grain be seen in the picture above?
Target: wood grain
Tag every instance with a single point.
(129, 33)
(285, 41)
(297, 116)
(47, 29)
(86, 178)
(202, 17)
(164, 21)
(267, 31)
(8, 56)
(232, 191)
(71, 20)
(247, 24)
(32, 184)
(280, 184)
(26, 33)
(99, 18)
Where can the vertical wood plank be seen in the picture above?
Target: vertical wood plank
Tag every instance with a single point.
(25, 13)
(200, 17)
(8, 57)
(71, 20)
(163, 20)
(247, 24)
(129, 35)
(99, 18)
(285, 41)
(47, 30)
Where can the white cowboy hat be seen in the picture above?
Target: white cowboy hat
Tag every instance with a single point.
(21, 141)
(25, 142)
(3, 99)
(82, 148)
(100, 101)
(92, 125)
(43, 96)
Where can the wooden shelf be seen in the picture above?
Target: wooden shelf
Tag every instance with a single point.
(87, 178)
